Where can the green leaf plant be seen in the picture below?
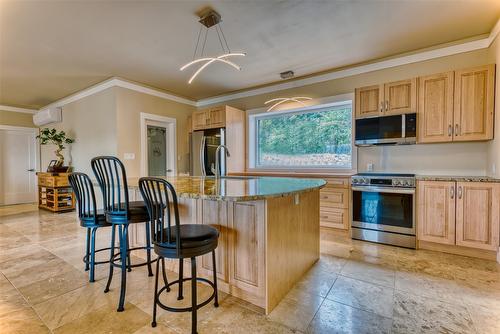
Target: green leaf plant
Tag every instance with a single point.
(52, 136)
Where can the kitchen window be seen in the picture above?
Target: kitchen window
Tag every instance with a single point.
(318, 137)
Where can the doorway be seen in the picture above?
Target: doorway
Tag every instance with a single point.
(18, 164)
(158, 145)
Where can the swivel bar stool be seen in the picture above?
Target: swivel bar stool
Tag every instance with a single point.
(111, 176)
(89, 217)
(176, 241)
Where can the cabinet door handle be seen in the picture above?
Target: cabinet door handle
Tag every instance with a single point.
(459, 192)
(452, 192)
(450, 130)
(386, 105)
(457, 133)
(381, 106)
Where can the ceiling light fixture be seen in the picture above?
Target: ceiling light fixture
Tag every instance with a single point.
(211, 19)
(280, 100)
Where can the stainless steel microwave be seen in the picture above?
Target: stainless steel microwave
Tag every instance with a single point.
(386, 130)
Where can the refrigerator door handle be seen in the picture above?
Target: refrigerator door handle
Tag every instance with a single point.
(202, 156)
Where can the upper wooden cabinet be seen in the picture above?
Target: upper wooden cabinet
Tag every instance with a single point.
(369, 101)
(456, 106)
(392, 98)
(435, 108)
(209, 118)
(477, 215)
(473, 109)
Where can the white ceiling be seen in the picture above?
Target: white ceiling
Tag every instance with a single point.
(50, 49)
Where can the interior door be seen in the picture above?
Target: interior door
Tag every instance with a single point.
(18, 163)
(157, 151)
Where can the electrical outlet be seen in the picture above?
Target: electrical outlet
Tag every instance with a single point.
(129, 156)
(369, 167)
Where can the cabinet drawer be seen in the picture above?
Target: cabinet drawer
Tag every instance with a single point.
(53, 181)
(334, 198)
(337, 182)
(336, 218)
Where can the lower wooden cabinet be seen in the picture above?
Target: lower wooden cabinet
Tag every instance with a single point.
(334, 203)
(436, 212)
(459, 213)
(477, 215)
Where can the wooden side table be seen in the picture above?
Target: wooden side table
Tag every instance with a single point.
(54, 192)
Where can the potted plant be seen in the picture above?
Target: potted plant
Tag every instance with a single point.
(52, 136)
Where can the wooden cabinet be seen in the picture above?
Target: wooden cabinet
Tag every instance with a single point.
(334, 203)
(209, 118)
(456, 106)
(369, 101)
(436, 211)
(399, 97)
(459, 213)
(247, 247)
(435, 108)
(477, 215)
(473, 107)
(54, 192)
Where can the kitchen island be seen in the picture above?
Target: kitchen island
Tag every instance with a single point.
(269, 231)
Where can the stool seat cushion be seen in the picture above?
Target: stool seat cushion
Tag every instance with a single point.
(92, 222)
(196, 239)
(137, 212)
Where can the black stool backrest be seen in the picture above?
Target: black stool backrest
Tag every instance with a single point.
(85, 197)
(159, 195)
(110, 174)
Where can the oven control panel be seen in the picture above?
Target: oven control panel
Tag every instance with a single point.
(383, 181)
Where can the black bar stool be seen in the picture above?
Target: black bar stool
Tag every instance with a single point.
(112, 179)
(89, 217)
(176, 241)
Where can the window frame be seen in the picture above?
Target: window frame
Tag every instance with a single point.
(255, 115)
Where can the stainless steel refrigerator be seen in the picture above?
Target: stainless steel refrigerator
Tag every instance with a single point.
(203, 145)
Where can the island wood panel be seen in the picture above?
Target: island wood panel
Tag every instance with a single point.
(435, 108)
(369, 101)
(246, 252)
(235, 140)
(214, 213)
(473, 106)
(400, 97)
(477, 217)
(436, 211)
(292, 242)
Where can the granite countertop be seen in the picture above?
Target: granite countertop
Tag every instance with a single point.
(237, 188)
(457, 178)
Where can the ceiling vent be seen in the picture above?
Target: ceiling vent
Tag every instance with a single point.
(287, 75)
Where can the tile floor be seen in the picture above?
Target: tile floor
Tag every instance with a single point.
(355, 287)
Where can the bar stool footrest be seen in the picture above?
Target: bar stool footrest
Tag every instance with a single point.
(118, 265)
(185, 309)
(86, 261)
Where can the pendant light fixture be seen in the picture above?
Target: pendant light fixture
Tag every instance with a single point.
(281, 100)
(211, 19)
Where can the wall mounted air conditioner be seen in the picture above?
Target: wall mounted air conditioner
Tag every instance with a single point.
(47, 116)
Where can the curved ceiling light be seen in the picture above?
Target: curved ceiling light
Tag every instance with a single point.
(280, 100)
(212, 18)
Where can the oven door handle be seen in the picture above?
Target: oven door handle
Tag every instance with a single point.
(384, 190)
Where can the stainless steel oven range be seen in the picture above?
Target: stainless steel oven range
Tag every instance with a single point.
(383, 208)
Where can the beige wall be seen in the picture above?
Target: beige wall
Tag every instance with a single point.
(130, 104)
(16, 119)
(91, 121)
(456, 158)
(494, 146)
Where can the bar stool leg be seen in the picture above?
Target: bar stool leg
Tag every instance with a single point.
(181, 276)
(123, 256)
(148, 249)
(153, 324)
(129, 262)
(216, 298)
(194, 301)
(164, 273)
(111, 258)
(92, 254)
(88, 250)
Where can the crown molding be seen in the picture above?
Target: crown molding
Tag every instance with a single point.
(416, 57)
(118, 82)
(16, 109)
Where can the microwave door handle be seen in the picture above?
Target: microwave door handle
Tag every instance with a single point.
(202, 156)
